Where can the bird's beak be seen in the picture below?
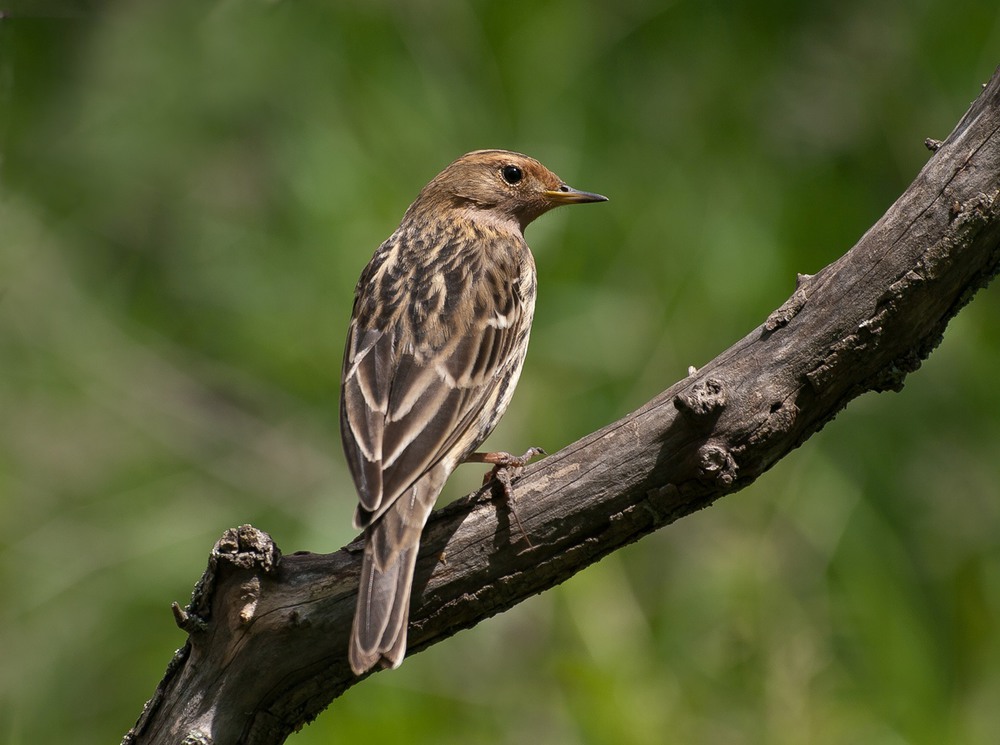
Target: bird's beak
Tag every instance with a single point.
(568, 195)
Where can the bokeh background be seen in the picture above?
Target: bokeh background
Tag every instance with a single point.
(189, 192)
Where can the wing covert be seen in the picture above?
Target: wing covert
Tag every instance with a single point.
(405, 407)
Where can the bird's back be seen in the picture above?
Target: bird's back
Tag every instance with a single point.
(440, 330)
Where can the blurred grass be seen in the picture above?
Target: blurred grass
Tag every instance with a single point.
(188, 192)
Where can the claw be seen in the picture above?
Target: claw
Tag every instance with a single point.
(505, 468)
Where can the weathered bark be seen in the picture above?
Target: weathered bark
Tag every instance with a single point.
(268, 634)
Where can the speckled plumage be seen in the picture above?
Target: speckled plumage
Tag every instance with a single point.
(442, 316)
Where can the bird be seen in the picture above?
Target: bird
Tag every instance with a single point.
(437, 338)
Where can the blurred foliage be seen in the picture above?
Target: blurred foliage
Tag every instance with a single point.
(189, 191)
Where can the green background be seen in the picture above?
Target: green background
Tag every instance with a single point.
(189, 192)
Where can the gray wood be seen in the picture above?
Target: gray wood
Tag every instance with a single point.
(268, 635)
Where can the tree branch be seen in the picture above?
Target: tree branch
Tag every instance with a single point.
(268, 634)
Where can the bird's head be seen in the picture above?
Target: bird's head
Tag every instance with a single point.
(500, 186)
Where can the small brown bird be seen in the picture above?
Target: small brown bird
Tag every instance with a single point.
(437, 338)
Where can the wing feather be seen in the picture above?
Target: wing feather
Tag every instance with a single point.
(406, 407)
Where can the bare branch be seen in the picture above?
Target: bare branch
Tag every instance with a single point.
(268, 634)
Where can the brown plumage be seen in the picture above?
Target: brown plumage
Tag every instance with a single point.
(440, 327)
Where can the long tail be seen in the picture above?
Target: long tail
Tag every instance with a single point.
(379, 631)
(392, 543)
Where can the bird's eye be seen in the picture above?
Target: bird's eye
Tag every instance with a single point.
(511, 174)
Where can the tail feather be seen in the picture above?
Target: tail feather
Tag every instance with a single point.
(392, 543)
(379, 632)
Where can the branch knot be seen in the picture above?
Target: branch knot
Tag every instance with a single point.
(716, 463)
(705, 398)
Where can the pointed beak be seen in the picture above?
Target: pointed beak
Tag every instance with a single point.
(568, 195)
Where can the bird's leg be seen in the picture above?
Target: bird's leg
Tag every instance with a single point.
(505, 468)
(503, 460)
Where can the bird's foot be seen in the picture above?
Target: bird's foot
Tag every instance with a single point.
(505, 468)
(503, 460)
